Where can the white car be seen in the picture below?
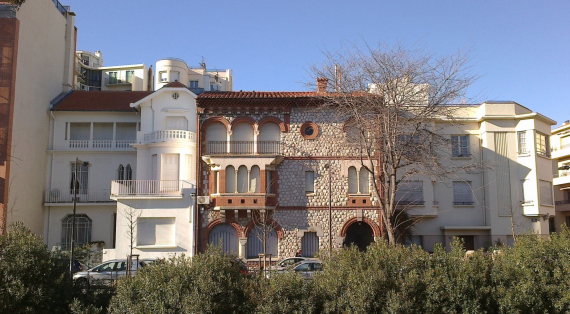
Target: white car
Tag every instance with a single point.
(110, 270)
(288, 262)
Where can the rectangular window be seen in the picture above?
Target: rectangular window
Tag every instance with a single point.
(410, 193)
(521, 138)
(269, 182)
(163, 76)
(309, 182)
(155, 231)
(82, 178)
(113, 77)
(460, 146)
(193, 84)
(542, 145)
(174, 76)
(462, 194)
(526, 191)
(129, 76)
(545, 188)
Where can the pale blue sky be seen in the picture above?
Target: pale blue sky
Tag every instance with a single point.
(521, 48)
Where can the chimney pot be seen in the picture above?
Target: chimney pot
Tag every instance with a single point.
(322, 84)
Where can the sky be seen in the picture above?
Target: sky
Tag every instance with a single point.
(520, 49)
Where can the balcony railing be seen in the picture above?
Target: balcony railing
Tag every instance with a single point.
(133, 188)
(118, 80)
(101, 143)
(561, 147)
(243, 148)
(83, 196)
(169, 135)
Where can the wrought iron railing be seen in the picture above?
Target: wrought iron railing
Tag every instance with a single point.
(146, 187)
(112, 80)
(243, 148)
(463, 203)
(83, 196)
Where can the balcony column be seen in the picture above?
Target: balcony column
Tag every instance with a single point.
(229, 141)
(90, 145)
(235, 181)
(358, 181)
(114, 142)
(248, 180)
(242, 247)
(255, 136)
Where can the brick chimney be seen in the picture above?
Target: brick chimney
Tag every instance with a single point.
(322, 84)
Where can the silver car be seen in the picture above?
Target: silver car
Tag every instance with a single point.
(288, 262)
(106, 272)
(306, 269)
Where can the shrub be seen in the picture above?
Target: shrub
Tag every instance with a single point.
(31, 279)
(209, 283)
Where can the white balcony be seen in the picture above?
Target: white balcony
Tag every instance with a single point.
(100, 144)
(169, 136)
(145, 188)
(562, 177)
(560, 151)
(83, 196)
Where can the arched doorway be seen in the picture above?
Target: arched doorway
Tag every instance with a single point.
(227, 234)
(359, 234)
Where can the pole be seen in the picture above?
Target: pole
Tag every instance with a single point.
(330, 210)
(75, 183)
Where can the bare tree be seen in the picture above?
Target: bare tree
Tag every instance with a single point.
(390, 98)
(132, 215)
(264, 226)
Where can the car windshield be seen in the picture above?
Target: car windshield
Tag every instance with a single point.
(303, 267)
(105, 267)
(288, 262)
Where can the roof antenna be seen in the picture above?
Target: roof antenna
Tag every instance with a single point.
(203, 64)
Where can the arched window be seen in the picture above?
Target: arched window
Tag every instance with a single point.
(227, 235)
(352, 181)
(230, 179)
(82, 230)
(254, 180)
(242, 138)
(128, 173)
(242, 180)
(364, 183)
(269, 138)
(216, 138)
(255, 241)
(121, 173)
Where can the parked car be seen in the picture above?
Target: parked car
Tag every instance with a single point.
(107, 271)
(288, 262)
(242, 266)
(306, 269)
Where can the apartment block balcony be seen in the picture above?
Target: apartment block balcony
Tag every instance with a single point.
(562, 177)
(169, 136)
(243, 148)
(146, 189)
(123, 80)
(100, 144)
(560, 151)
(54, 196)
(563, 206)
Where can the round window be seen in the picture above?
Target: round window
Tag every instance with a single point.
(309, 130)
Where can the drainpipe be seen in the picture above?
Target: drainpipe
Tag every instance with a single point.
(198, 156)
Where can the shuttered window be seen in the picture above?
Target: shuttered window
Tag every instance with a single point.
(410, 193)
(255, 241)
(155, 231)
(169, 166)
(545, 192)
(310, 244)
(225, 235)
(462, 194)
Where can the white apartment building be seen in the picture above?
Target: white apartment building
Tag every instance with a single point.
(198, 79)
(91, 75)
(560, 143)
(37, 46)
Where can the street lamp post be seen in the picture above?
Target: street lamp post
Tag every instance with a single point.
(75, 187)
(330, 209)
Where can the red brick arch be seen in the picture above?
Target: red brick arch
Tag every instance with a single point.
(244, 119)
(274, 120)
(375, 228)
(218, 221)
(269, 221)
(211, 120)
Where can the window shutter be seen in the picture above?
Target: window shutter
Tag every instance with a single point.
(169, 167)
(462, 193)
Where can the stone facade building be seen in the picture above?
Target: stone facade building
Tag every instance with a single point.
(281, 155)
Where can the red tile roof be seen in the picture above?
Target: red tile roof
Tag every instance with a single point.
(99, 101)
(254, 99)
(242, 94)
(175, 84)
